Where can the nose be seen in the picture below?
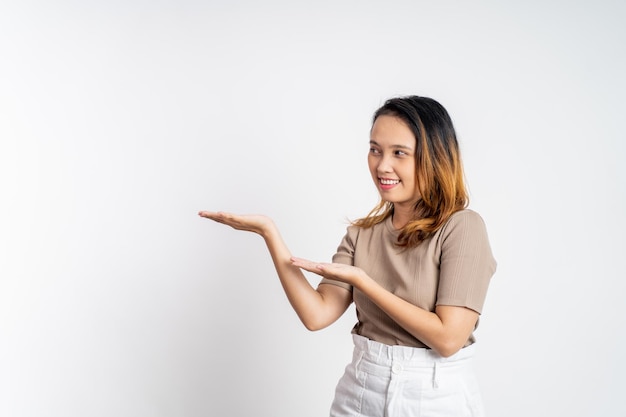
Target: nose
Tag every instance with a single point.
(385, 165)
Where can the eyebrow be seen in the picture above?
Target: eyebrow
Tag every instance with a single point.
(373, 142)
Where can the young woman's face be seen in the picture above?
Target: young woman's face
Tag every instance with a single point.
(392, 161)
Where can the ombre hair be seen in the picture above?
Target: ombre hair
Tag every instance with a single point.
(439, 170)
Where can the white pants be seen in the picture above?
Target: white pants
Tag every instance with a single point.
(399, 381)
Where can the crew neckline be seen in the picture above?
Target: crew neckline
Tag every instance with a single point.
(390, 226)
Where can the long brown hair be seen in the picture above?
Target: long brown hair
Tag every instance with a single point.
(439, 170)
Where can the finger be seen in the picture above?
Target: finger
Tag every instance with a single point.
(302, 262)
(210, 214)
(310, 266)
(218, 216)
(298, 260)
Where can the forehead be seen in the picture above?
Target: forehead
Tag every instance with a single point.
(391, 131)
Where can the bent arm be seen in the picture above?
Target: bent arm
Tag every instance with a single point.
(446, 330)
(316, 308)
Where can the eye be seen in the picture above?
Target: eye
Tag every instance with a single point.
(399, 153)
(374, 151)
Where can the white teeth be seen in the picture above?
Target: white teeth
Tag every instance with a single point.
(389, 182)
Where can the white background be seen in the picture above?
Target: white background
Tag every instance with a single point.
(120, 120)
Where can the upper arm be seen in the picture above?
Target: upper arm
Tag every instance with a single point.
(336, 301)
(466, 262)
(337, 295)
(459, 323)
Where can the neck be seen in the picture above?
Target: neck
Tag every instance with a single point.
(401, 216)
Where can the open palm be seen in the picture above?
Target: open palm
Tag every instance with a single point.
(339, 272)
(248, 222)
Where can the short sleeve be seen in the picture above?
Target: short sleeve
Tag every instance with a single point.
(344, 255)
(467, 263)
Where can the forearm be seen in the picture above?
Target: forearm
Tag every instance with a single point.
(445, 333)
(316, 308)
(313, 309)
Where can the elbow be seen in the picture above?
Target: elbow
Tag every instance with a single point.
(447, 348)
(313, 325)
(312, 328)
(446, 352)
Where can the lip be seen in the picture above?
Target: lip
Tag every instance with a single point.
(386, 187)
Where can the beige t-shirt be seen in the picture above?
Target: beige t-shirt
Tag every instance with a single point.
(453, 267)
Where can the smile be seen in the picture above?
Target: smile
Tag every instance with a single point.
(384, 181)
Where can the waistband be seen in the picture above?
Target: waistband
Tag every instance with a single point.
(383, 353)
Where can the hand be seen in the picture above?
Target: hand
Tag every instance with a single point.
(335, 271)
(249, 222)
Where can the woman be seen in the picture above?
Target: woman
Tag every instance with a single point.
(417, 268)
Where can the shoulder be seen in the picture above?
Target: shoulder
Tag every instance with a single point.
(356, 231)
(352, 232)
(348, 242)
(465, 217)
(367, 238)
(463, 222)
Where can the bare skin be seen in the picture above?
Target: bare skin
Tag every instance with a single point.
(446, 330)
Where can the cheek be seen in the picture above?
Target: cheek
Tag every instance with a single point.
(410, 170)
(371, 163)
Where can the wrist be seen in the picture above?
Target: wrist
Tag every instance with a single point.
(268, 230)
(359, 279)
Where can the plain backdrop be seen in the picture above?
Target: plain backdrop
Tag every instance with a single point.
(120, 120)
